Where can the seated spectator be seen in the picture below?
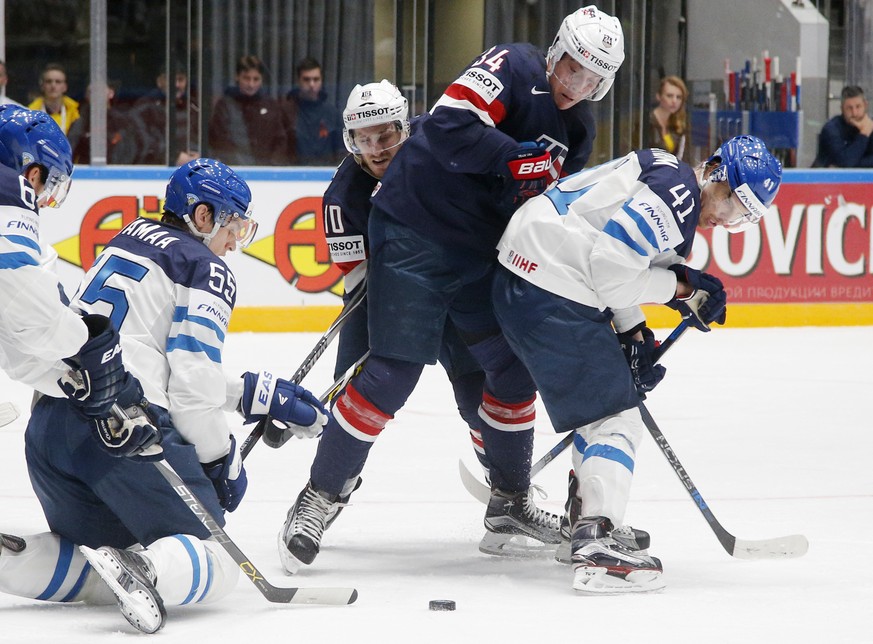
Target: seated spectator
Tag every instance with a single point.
(150, 116)
(845, 141)
(668, 122)
(316, 122)
(4, 79)
(248, 126)
(121, 139)
(53, 97)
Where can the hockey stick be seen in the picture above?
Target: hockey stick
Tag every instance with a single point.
(482, 492)
(788, 547)
(8, 413)
(307, 364)
(276, 594)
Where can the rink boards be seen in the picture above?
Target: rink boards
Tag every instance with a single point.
(810, 262)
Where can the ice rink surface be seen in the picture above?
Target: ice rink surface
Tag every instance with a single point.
(774, 426)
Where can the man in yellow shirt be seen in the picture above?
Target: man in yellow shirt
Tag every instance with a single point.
(53, 100)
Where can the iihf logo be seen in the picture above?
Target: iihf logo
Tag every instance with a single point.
(607, 40)
(366, 94)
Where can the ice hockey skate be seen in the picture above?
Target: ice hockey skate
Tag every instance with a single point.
(312, 513)
(604, 565)
(630, 538)
(516, 527)
(131, 578)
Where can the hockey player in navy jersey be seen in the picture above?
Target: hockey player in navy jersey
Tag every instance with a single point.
(507, 127)
(165, 286)
(576, 263)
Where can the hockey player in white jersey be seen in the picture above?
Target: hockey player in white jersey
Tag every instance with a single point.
(167, 288)
(577, 262)
(40, 337)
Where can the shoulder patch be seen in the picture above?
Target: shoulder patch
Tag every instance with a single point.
(649, 210)
(483, 82)
(350, 248)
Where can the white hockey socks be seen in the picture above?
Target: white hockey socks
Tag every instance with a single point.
(190, 570)
(52, 569)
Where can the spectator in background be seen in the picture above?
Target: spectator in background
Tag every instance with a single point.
(4, 79)
(316, 122)
(121, 140)
(668, 122)
(53, 98)
(845, 141)
(149, 115)
(248, 126)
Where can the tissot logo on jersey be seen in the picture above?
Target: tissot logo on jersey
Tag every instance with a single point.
(347, 249)
(484, 83)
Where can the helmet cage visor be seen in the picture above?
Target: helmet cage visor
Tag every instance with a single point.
(57, 186)
(376, 141)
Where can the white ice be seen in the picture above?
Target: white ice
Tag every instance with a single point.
(773, 426)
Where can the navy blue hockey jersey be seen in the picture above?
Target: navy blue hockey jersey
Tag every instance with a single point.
(445, 182)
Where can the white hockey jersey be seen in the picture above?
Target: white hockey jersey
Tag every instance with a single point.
(171, 299)
(603, 237)
(37, 329)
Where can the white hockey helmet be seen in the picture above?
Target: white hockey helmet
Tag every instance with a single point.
(374, 104)
(593, 39)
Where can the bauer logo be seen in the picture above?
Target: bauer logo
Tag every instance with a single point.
(484, 83)
(347, 249)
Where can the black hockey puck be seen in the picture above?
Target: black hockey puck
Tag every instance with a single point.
(441, 604)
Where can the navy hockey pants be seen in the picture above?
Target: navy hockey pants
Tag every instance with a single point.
(570, 349)
(95, 499)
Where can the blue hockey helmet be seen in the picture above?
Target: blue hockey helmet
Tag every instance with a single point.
(753, 174)
(30, 138)
(211, 182)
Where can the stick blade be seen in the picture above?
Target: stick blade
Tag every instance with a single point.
(8, 413)
(790, 547)
(324, 596)
(474, 486)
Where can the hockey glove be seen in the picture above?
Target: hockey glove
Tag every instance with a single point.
(133, 435)
(98, 374)
(526, 174)
(640, 356)
(707, 302)
(282, 400)
(228, 476)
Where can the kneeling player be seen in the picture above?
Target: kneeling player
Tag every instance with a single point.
(165, 286)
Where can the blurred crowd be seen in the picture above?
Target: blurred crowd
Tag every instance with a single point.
(246, 125)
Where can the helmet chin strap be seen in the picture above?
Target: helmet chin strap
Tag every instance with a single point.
(206, 237)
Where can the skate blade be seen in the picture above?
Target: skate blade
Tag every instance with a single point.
(140, 609)
(290, 564)
(515, 546)
(590, 580)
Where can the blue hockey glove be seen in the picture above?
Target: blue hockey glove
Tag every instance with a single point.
(132, 435)
(228, 476)
(640, 356)
(282, 400)
(98, 374)
(707, 302)
(527, 174)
